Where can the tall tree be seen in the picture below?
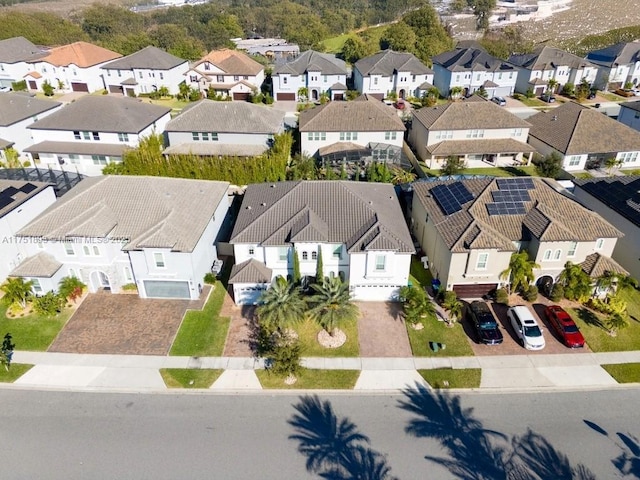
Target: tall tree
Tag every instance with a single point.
(319, 266)
(6, 351)
(399, 37)
(519, 274)
(16, 290)
(577, 284)
(548, 166)
(331, 305)
(415, 304)
(281, 305)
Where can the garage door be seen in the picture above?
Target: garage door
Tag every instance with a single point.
(79, 87)
(247, 295)
(287, 97)
(116, 89)
(163, 289)
(375, 294)
(476, 290)
(241, 96)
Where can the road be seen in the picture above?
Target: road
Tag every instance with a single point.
(66, 435)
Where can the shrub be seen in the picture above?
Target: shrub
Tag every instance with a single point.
(531, 293)
(129, 286)
(70, 288)
(47, 88)
(209, 278)
(568, 89)
(518, 96)
(530, 93)
(268, 99)
(612, 306)
(49, 305)
(557, 292)
(502, 296)
(284, 358)
(20, 86)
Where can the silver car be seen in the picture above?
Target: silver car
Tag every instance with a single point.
(527, 329)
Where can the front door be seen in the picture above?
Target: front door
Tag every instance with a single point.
(104, 281)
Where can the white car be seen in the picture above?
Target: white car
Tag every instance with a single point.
(527, 329)
(5, 89)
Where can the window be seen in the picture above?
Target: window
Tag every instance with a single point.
(214, 136)
(599, 243)
(161, 76)
(478, 77)
(348, 136)
(86, 250)
(557, 255)
(220, 78)
(96, 251)
(35, 284)
(324, 78)
(140, 74)
(284, 80)
(475, 134)
(500, 76)
(481, 263)
(119, 73)
(252, 251)
(310, 136)
(74, 159)
(283, 254)
(99, 159)
(193, 78)
(123, 137)
(516, 132)
(158, 258)
(444, 135)
(337, 252)
(510, 75)
(96, 136)
(245, 77)
(76, 135)
(574, 160)
(380, 263)
(68, 248)
(127, 274)
(390, 135)
(207, 67)
(205, 136)
(572, 249)
(375, 80)
(314, 255)
(305, 256)
(628, 157)
(547, 255)
(195, 136)
(86, 135)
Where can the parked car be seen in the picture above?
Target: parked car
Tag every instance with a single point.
(564, 326)
(592, 94)
(400, 105)
(499, 100)
(624, 92)
(527, 329)
(5, 89)
(485, 323)
(548, 98)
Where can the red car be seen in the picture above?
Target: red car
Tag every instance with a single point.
(564, 326)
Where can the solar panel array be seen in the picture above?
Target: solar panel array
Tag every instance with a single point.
(506, 208)
(451, 197)
(510, 198)
(7, 195)
(517, 183)
(500, 196)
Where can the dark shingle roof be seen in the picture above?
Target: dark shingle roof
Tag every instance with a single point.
(546, 57)
(364, 216)
(314, 61)
(618, 54)
(19, 49)
(465, 59)
(387, 62)
(148, 58)
(250, 271)
(15, 107)
(620, 193)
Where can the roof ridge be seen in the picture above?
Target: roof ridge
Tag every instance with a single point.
(384, 54)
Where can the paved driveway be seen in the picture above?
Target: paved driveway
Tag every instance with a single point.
(121, 324)
(381, 330)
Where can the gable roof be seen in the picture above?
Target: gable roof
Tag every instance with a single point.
(15, 107)
(151, 212)
(574, 129)
(19, 49)
(117, 115)
(250, 271)
(619, 54)
(149, 57)
(620, 193)
(82, 54)
(465, 59)
(14, 193)
(550, 216)
(364, 216)
(363, 114)
(545, 57)
(313, 61)
(231, 62)
(41, 265)
(227, 117)
(596, 265)
(387, 62)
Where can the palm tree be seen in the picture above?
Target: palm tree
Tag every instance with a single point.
(331, 306)
(520, 271)
(576, 283)
(453, 306)
(70, 288)
(551, 85)
(281, 305)
(617, 282)
(416, 305)
(16, 290)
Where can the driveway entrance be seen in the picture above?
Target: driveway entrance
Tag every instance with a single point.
(381, 330)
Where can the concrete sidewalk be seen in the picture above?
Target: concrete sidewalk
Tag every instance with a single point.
(141, 373)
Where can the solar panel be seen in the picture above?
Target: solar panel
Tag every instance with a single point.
(515, 183)
(4, 201)
(9, 192)
(28, 188)
(445, 199)
(506, 208)
(510, 196)
(460, 191)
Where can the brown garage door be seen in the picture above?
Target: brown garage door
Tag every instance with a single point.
(241, 96)
(287, 96)
(116, 89)
(475, 290)
(79, 87)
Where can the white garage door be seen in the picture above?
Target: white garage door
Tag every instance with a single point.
(245, 295)
(375, 294)
(164, 289)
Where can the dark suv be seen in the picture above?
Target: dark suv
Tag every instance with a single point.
(485, 323)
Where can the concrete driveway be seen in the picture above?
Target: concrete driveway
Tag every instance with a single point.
(381, 330)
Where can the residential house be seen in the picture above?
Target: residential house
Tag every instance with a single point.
(546, 63)
(145, 71)
(358, 228)
(93, 131)
(70, 68)
(318, 73)
(157, 233)
(476, 130)
(387, 72)
(583, 137)
(210, 128)
(17, 112)
(344, 126)
(618, 65)
(20, 202)
(14, 54)
(469, 229)
(272, 48)
(468, 69)
(228, 73)
(618, 200)
(630, 114)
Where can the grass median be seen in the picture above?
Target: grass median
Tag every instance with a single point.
(15, 372)
(311, 379)
(624, 372)
(452, 378)
(189, 377)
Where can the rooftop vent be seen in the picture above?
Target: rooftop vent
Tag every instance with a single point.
(263, 204)
(248, 207)
(554, 118)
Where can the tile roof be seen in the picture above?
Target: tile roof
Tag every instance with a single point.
(550, 216)
(596, 265)
(14, 193)
(467, 115)
(82, 54)
(364, 216)
(227, 117)
(5, 143)
(78, 148)
(364, 114)
(479, 146)
(40, 265)
(216, 149)
(19, 49)
(545, 57)
(620, 193)
(313, 61)
(619, 54)
(140, 212)
(466, 59)
(232, 62)
(250, 271)
(15, 107)
(341, 147)
(574, 129)
(149, 57)
(388, 62)
(117, 115)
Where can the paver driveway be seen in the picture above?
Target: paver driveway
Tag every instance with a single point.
(124, 324)
(381, 330)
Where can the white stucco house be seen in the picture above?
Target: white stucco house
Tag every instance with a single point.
(317, 72)
(145, 71)
(387, 72)
(20, 202)
(583, 137)
(359, 228)
(629, 114)
(618, 65)
(14, 54)
(468, 230)
(93, 131)
(211, 128)
(157, 233)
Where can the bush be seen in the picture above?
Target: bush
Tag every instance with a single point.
(70, 288)
(268, 99)
(49, 305)
(612, 306)
(48, 89)
(20, 86)
(209, 278)
(129, 286)
(568, 89)
(557, 292)
(531, 293)
(518, 96)
(502, 296)
(530, 93)
(284, 358)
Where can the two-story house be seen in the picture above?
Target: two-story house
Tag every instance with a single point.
(630, 114)
(145, 71)
(70, 68)
(386, 72)
(546, 63)
(463, 130)
(156, 233)
(210, 128)
(228, 73)
(358, 227)
(318, 73)
(618, 65)
(14, 54)
(584, 137)
(471, 68)
(469, 229)
(93, 131)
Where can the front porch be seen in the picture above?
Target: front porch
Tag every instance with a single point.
(481, 153)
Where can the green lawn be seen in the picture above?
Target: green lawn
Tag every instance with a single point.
(32, 332)
(172, 103)
(308, 333)
(454, 338)
(454, 378)
(334, 44)
(635, 171)
(492, 171)
(189, 377)
(418, 275)
(373, 35)
(15, 371)
(624, 372)
(203, 332)
(533, 102)
(310, 379)
(612, 97)
(583, 175)
(632, 297)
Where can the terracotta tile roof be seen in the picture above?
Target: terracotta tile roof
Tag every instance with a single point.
(596, 265)
(232, 62)
(250, 271)
(82, 54)
(33, 74)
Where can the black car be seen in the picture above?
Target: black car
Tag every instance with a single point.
(485, 324)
